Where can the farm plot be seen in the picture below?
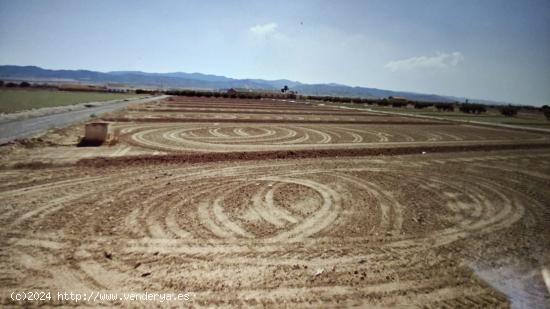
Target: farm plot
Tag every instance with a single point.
(179, 210)
(258, 109)
(257, 113)
(229, 125)
(222, 137)
(143, 116)
(410, 230)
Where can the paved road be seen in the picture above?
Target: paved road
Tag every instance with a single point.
(29, 127)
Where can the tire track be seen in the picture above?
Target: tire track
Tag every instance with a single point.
(358, 233)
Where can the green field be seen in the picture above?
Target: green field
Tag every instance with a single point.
(19, 100)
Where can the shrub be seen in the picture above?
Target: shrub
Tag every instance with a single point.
(11, 85)
(478, 108)
(546, 111)
(421, 105)
(398, 104)
(508, 111)
(472, 108)
(445, 107)
(24, 84)
(315, 97)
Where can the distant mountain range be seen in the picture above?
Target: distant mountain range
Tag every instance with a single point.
(206, 82)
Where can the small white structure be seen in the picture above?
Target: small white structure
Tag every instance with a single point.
(96, 133)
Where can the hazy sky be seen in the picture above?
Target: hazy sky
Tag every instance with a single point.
(480, 49)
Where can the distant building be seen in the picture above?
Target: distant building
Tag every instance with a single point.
(81, 87)
(398, 99)
(117, 87)
(117, 90)
(238, 90)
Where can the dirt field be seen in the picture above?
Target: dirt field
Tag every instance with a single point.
(309, 213)
(532, 118)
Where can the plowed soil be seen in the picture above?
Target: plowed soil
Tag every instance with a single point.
(311, 219)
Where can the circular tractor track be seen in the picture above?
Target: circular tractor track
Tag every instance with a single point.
(254, 137)
(329, 232)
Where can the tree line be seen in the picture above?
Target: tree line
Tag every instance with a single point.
(468, 108)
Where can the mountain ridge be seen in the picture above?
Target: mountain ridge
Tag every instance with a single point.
(211, 82)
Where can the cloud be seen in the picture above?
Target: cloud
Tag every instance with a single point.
(264, 30)
(437, 62)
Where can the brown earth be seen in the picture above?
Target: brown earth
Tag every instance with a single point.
(281, 215)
